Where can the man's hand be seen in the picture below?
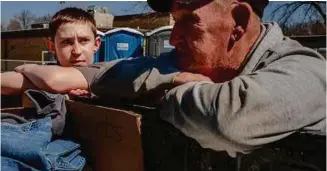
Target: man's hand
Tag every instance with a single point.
(185, 77)
(181, 78)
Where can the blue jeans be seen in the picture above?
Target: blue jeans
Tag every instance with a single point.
(28, 146)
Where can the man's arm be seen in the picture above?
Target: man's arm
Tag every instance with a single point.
(251, 110)
(13, 83)
(54, 78)
(131, 78)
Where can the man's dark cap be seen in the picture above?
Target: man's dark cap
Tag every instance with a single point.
(165, 5)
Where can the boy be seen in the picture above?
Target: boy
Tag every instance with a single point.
(72, 39)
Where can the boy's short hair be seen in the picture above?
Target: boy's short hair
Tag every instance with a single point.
(71, 15)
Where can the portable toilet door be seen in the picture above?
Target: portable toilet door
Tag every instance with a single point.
(99, 55)
(123, 43)
(158, 41)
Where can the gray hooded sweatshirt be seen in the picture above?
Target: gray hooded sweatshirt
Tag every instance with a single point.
(281, 90)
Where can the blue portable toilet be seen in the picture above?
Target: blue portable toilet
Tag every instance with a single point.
(99, 55)
(158, 41)
(123, 43)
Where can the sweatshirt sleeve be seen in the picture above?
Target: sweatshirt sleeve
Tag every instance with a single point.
(131, 78)
(251, 110)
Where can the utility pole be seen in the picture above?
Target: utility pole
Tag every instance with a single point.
(62, 3)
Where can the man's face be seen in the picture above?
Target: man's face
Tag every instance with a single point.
(201, 37)
(75, 44)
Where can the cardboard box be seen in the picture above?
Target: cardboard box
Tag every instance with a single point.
(110, 138)
(115, 140)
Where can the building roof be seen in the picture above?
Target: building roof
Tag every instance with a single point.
(124, 29)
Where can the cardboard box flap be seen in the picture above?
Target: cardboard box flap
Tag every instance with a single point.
(110, 137)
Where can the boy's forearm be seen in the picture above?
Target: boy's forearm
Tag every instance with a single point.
(14, 83)
(55, 78)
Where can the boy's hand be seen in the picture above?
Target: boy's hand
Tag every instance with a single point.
(79, 92)
(24, 67)
(185, 77)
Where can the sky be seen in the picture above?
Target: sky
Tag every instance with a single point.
(40, 8)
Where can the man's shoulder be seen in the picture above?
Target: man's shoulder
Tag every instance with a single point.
(292, 48)
(283, 46)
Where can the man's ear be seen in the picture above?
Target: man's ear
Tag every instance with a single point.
(50, 45)
(241, 15)
(97, 44)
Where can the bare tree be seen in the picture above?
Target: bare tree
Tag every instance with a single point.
(312, 10)
(14, 25)
(25, 18)
(3, 27)
(308, 28)
(44, 19)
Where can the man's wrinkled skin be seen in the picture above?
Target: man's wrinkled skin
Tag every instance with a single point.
(216, 41)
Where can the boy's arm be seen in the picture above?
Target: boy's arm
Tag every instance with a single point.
(14, 83)
(128, 78)
(54, 78)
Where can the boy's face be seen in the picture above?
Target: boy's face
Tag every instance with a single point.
(74, 44)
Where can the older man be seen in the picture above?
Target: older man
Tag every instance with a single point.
(240, 83)
(267, 86)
